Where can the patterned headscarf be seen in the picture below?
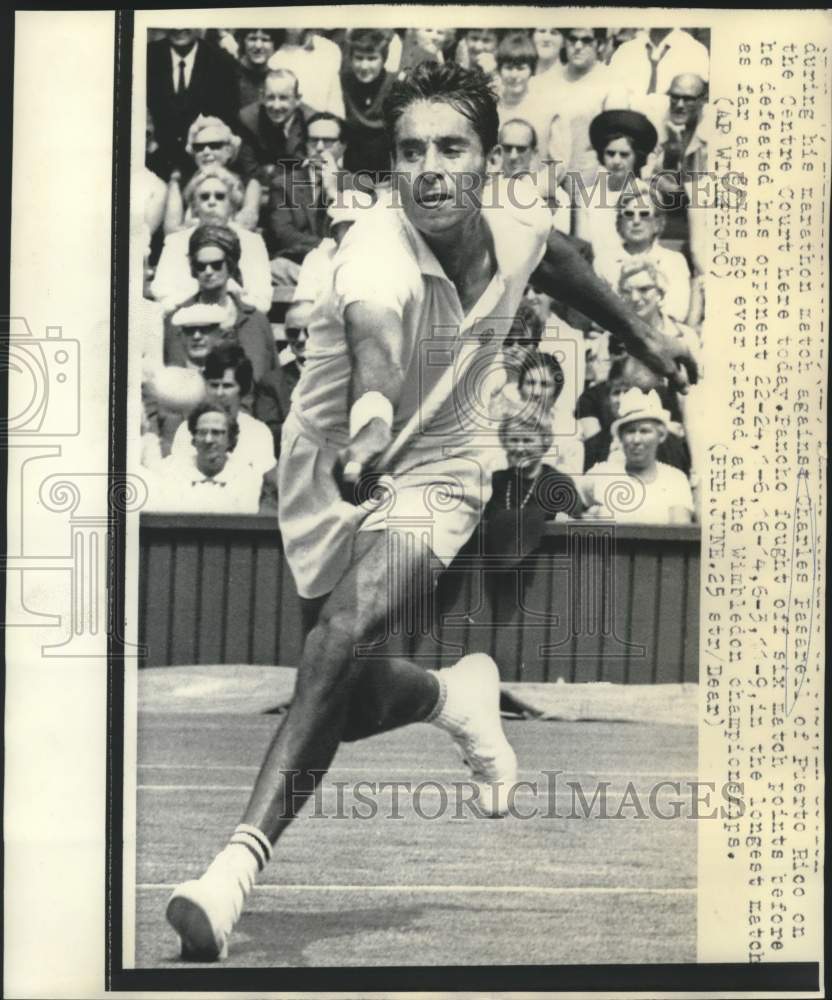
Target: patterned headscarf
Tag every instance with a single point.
(226, 239)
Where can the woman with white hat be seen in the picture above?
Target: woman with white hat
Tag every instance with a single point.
(644, 491)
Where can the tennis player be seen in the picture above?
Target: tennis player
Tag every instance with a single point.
(445, 259)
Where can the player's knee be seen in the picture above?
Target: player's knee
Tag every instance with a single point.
(329, 652)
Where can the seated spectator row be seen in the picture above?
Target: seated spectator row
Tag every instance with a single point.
(256, 141)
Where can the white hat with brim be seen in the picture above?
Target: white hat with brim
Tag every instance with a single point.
(636, 405)
(199, 314)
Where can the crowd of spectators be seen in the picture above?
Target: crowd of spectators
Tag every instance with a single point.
(255, 139)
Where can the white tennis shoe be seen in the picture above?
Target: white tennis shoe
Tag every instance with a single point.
(204, 911)
(471, 715)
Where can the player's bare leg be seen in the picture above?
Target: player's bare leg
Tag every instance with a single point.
(331, 685)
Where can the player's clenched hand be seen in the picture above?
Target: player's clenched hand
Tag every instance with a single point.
(357, 461)
(667, 356)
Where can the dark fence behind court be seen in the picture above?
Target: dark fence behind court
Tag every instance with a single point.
(591, 604)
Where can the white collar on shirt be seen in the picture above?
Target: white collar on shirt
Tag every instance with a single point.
(189, 64)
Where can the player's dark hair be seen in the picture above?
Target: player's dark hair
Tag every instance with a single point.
(468, 91)
(231, 422)
(539, 359)
(230, 356)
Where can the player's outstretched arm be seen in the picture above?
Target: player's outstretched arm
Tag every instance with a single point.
(565, 275)
(374, 340)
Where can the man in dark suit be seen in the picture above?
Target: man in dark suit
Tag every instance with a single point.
(299, 197)
(273, 129)
(187, 77)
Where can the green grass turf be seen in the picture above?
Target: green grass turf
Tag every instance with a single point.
(410, 891)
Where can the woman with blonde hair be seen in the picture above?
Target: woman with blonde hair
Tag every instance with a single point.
(210, 143)
(214, 196)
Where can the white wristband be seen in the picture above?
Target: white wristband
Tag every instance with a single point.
(370, 405)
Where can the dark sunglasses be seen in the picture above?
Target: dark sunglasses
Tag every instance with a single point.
(215, 146)
(216, 195)
(636, 213)
(683, 98)
(203, 265)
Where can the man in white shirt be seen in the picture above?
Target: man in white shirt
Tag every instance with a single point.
(316, 62)
(647, 64)
(228, 382)
(655, 493)
(207, 480)
(418, 284)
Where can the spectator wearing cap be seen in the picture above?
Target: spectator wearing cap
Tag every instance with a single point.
(214, 257)
(661, 494)
(209, 479)
(210, 143)
(316, 64)
(623, 140)
(365, 84)
(598, 408)
(214, 194)
(229, 380)
(191, 333)
(256, 46)
(299, 197)
(640, 223)
(273, 129)
(186, 77)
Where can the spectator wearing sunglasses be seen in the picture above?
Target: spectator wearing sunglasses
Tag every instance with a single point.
(639, 222)
(210, 143)
(214, 256)
(578, 87)
(213, 195)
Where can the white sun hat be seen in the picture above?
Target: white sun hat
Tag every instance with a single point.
(637, 405)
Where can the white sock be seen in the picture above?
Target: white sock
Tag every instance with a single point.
(450, 712)
(247, 853)
(239, 860)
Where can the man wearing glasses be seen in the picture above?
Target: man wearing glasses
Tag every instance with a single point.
(578, 89)
(208, 480)
(300, 196)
